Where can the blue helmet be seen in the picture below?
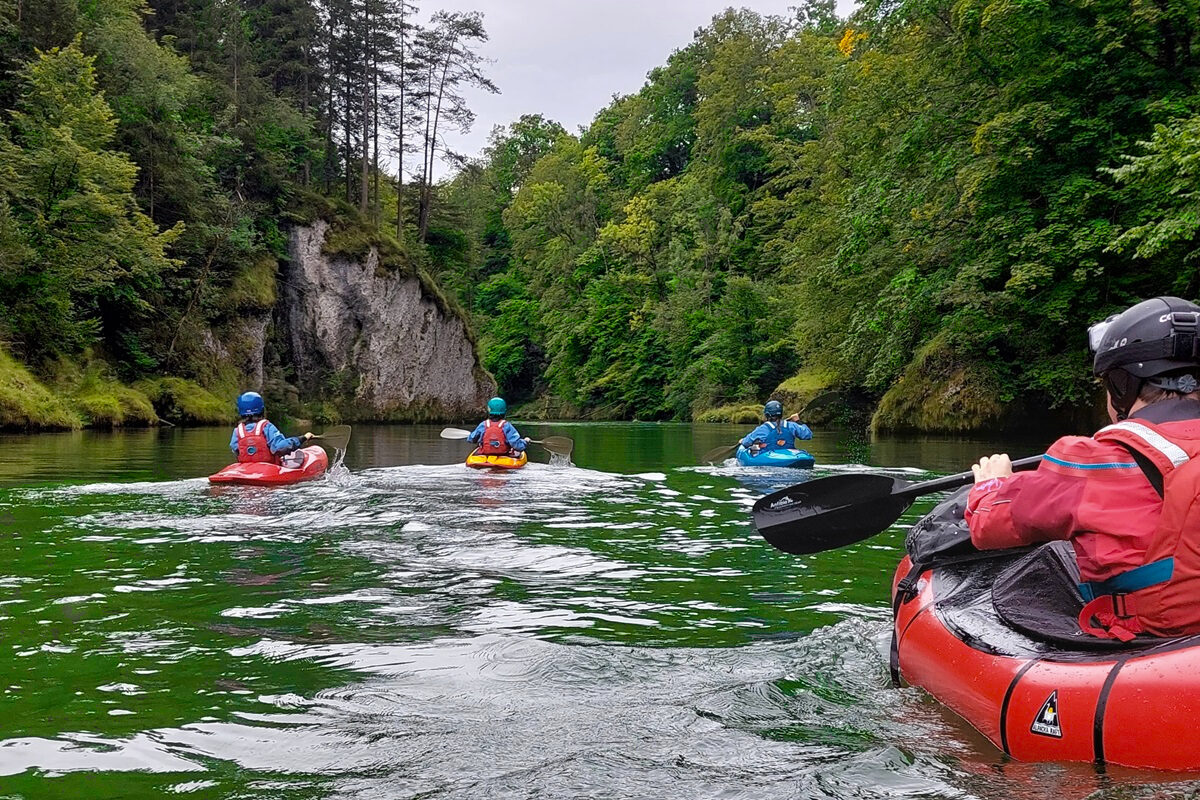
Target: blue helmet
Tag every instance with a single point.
(497, 406)
(773, 409)
(250, 403)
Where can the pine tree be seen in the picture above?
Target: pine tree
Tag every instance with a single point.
(451, 64)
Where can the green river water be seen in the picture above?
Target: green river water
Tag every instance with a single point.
(408, 628)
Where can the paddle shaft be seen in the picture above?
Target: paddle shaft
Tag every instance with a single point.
(459, 433)
(840, 510)
(915, 490)
(718, 454)
(337, 437)
(560, 445)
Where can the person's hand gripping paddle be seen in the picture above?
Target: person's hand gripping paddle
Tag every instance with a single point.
(828, 513)
(336, 437)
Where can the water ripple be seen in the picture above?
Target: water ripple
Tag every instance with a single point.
(423, 631)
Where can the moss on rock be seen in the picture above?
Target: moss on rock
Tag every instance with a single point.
(103, 401)
(808, 393)
(253, 289)
(114, 406)
(352, 237)
(544, 407)
(940, 392)
(736, 413)
(185, 402)
(25, 403)
(802, 388)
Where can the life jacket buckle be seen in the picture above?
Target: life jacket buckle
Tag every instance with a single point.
(1111, 616)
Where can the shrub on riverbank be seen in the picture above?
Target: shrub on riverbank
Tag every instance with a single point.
(25, 403)
(108, 404)
(736, 414)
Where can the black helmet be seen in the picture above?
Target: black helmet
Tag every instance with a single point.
(1153, 339)
(773, 409)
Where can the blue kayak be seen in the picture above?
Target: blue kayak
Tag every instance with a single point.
(799, 459)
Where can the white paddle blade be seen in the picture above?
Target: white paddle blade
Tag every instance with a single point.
(454, 433)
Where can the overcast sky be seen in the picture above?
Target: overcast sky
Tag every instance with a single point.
(565, 59)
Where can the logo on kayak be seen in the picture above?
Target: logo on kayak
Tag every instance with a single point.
(1046, 723)
(782, 502)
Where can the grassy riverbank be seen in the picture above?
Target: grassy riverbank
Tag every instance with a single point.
(76, 397)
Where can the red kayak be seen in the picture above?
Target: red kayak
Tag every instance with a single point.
(314, 465)
(981, 633)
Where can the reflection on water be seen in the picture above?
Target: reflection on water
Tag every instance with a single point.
(611, 628)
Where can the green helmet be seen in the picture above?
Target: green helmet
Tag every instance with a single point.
(497, 406)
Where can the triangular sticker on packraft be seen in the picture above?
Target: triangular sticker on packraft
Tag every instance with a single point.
(1047, 723)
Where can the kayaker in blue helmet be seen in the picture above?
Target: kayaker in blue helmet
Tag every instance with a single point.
(255, 439)
(496, 436)
(776, 433)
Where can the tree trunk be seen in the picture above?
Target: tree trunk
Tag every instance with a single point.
(235, 37)
(346, 126)
(400, 139)
(330, 116)
(150, 177)
(428, 200)
(375, 133)
(425, 156)
(307, 166)
(368, 44)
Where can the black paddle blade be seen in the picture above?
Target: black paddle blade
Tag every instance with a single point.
(559, 445)
(829, 513)
(718, 455)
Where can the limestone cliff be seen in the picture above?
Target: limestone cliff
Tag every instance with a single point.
(374, 339)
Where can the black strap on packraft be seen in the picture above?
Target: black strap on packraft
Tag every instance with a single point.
(906, 590)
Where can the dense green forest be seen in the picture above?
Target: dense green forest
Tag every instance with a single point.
(923, 205)
(152, 158)
(914, 211)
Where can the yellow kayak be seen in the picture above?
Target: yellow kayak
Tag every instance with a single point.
(477, 461)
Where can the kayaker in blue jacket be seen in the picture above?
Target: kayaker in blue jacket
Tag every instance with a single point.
(255, 439)
(496, 436)
(776, 433)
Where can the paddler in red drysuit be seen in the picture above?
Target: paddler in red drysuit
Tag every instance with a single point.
(1127, 497)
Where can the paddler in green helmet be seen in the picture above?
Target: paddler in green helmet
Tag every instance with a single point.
(496, 436)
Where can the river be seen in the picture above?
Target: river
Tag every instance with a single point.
(408, 628)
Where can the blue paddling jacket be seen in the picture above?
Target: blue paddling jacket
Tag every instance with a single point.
(778, 436)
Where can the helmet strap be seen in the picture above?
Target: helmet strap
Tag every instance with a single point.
(1123, 389)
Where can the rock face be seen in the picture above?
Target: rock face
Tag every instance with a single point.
(241, 344)
(374, 340)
